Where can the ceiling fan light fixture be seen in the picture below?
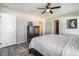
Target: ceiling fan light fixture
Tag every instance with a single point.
(47, 10)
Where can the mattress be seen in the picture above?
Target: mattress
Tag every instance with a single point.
(50, 45)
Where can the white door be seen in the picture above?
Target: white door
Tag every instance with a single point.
(8, 30)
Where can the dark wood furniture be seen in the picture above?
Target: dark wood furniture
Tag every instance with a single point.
(36, 31)
(32, 31)
(35, 52)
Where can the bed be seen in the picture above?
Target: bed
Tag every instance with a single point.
(54, 45)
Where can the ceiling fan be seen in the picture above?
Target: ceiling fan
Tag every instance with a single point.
(49, 8)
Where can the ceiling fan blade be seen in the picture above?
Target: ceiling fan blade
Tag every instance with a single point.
(51, 11)
(55, 7)
(43, 12)
(41, 8)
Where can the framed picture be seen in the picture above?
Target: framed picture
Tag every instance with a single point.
(72, 23)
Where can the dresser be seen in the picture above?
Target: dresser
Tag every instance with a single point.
(32, 31)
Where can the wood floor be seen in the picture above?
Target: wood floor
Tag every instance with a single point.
(16, 50)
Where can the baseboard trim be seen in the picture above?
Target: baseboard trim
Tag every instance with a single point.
(21, 42)
(14, 44)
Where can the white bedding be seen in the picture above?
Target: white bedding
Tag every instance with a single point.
(50, 45)
(71, 48)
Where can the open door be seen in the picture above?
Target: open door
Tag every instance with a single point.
(56, 27)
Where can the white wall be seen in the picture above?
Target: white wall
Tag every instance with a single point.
(21, 23)
(0, 29)
(63, 24)
(48, 27)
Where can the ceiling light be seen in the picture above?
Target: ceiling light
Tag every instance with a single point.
(47, 10)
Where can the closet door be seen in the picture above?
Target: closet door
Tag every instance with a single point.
(8, 30)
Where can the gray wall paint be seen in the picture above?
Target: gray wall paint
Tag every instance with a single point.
(63, 26)
(48, 27)
(0, 29)
(49, 24)
(21, 23)
(63, 23)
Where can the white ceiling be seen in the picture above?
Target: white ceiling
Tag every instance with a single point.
(31, 8)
